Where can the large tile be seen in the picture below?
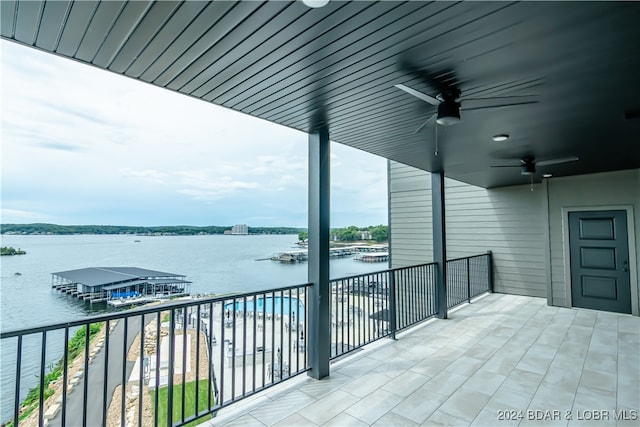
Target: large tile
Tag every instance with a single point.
(358, 368)
(465, 365)
(242, 421)
(328, 407)
(395, 420)
(491, 417)
(465, 404)
(440, 418)
(506, 399)
(320, 388)
(431, 366)
(536, 361)
(366, 384)
(345, 420)
(590, 399)
(446, 383)
(419, 405)
(564, 376)
(628, 392)
(405, 384)
(579, 333)
(277, 409)
(484, 382)
(396, 366)
(523, 381)
(295, 420)
(552, 397)
(599, 380)
(374, 406)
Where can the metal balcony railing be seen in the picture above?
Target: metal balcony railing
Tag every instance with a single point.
(467, 277)
(179, 362)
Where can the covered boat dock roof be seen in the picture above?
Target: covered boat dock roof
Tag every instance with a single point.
(106, 276)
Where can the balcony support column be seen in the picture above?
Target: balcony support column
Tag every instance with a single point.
(439, 241)
(319, 322)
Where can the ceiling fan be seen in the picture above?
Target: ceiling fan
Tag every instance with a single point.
(448, 97)
(528, 164)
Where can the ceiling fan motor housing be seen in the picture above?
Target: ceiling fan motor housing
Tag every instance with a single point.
(528, 168)
(448, 113)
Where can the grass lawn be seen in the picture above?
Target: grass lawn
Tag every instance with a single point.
(189, 401)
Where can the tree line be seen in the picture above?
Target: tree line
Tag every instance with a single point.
(179, 230)
(378, 233)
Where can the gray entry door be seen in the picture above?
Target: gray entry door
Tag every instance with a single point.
(600, 260)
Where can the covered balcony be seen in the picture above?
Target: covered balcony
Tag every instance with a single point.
(502, 360)
(509, 127)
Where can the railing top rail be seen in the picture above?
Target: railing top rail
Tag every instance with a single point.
(468, 257)
(356, 276)
(142, 311)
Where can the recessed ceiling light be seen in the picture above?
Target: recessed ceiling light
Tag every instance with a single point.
(315, 3)
(547, 175)
(500, 137)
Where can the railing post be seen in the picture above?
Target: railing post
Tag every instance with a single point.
(490, 270)
(468, 282)
(393, 313)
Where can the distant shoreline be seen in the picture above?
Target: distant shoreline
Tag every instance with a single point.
(178, 230)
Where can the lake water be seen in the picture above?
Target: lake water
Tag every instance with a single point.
(215, 264)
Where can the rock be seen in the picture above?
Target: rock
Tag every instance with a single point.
(52, 411)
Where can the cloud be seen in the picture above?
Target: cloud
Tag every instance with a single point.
(150, 175)
(85, 145)
(9, 216)
(61, 147)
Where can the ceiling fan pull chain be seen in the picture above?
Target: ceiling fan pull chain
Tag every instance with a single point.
(436, 126)
(531, 176)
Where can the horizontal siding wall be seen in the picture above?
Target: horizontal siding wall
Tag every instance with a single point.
(596, 190)
(508, 221)
(410, 215)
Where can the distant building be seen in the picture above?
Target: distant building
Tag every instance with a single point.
(240, 229)
(365, 235)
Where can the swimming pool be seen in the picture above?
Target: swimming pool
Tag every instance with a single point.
(270, 305)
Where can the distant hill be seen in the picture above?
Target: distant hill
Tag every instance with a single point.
(177, 230)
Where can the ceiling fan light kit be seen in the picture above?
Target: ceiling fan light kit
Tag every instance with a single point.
(448, 113)
(500, 137)
(528, 168)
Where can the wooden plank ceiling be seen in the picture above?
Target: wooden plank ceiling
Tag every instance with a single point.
(575, 64)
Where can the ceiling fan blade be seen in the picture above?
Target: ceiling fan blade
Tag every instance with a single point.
(506, 166)
(555, 161)
(511, 104)
(632, 114)
(423, 96)
(427, 122)
(498, 97)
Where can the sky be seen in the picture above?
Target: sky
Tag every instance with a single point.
(85, 146)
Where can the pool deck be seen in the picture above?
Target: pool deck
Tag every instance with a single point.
(503, 360)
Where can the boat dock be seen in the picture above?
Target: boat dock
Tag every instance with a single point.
(119, 286)
(372, 257)
(301, 255)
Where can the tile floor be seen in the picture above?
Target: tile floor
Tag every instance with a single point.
(503, 360)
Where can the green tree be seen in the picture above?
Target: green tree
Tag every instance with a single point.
(349, 234)
(379, 233)
(303, 235)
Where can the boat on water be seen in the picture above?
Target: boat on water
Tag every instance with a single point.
(17, 273)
